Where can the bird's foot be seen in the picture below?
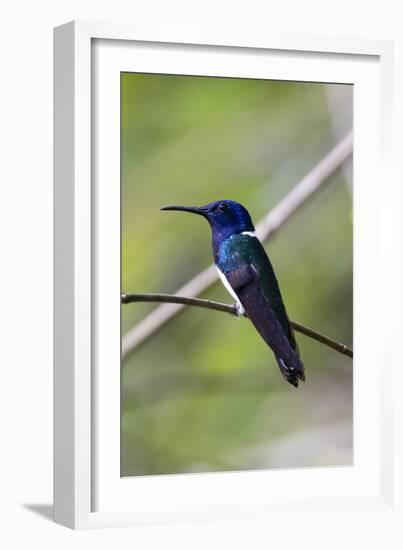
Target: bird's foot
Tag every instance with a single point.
(239, 310)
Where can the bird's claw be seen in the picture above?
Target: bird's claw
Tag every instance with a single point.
(239, 310)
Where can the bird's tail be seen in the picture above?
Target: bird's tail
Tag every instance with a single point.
(292, 369)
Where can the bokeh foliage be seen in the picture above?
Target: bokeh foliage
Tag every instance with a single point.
(205, 393)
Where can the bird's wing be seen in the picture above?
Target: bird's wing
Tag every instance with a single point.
(245, 282)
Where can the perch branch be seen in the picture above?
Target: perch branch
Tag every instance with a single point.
(266, 228)
(228, 308)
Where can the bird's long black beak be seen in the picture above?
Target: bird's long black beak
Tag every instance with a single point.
(201, 210)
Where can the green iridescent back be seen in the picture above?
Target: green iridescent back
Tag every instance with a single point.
(239, 249)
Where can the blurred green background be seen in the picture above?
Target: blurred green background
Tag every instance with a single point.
(205, 393)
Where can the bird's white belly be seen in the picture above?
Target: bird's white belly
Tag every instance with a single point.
(230, 290)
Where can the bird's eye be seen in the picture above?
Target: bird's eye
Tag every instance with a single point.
(222, 207)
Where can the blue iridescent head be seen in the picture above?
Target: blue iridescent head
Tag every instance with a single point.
(225, 217)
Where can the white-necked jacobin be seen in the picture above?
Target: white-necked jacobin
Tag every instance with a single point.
(248, 275)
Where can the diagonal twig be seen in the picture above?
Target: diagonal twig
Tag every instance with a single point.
(265, 229)
(231, 309)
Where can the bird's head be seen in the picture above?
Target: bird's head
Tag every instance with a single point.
(225, 217)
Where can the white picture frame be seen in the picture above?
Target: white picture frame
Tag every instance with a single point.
(88, 491)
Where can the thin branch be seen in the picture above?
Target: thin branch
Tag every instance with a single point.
(266, 228)
(231, 309)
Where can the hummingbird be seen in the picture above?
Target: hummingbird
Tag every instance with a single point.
(247, 274)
